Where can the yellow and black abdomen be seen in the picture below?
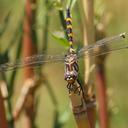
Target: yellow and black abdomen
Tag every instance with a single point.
(69, 27)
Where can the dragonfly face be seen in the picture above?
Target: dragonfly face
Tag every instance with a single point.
(71, 67)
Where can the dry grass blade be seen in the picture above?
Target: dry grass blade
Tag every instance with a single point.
(29, 86)
(88, 8)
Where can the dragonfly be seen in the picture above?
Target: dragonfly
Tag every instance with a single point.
(70, 59)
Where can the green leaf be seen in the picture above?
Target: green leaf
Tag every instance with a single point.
(59, 38)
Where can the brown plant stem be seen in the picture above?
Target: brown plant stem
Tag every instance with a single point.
(3, 121)
(88, 8)
(29, 86)
(79, 107)
(102, 99)
(101, 82)
(29, 48)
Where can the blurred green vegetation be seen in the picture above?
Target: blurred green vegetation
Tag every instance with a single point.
(116, 63)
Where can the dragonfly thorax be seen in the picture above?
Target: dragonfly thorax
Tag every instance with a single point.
(71, 67)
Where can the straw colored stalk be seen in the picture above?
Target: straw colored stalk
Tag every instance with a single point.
(88, 30)
(29, 86)
(3, 121)
(29, 49)
(79, 107)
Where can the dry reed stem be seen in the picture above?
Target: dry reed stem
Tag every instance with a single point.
(29, 48)
(88, 32)
(79, 107)
(29, 86)
(88, 7)
(100, 80)
(4, 90)
(3, 121)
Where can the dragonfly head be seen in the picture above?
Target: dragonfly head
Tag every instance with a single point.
(71, 68)
(70, 78)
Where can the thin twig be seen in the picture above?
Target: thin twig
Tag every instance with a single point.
(88, 8)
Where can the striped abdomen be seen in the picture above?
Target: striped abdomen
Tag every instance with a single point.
(69, 27)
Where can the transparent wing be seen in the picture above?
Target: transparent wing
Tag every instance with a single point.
(31, 61)
(112, 42)
(93, 54)
(102, 42)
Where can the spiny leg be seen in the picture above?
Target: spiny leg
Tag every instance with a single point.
(80, 87)
(69, 88)
(90, 100)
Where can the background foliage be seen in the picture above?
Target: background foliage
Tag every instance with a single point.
(11, 15)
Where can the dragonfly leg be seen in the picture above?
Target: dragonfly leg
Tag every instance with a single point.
(73, 88)
(69, 87)
(89, 99)
(78, 89)
(80, 86)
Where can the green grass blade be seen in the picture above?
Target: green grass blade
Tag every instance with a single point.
(60, 39)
